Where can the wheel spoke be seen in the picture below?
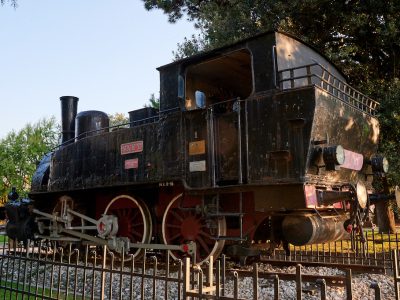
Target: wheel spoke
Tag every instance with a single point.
(169, 225)
(174, 237)
(137, 224)
(203, 244)
(138, 234)
(128, 212)
(116, 212)
(135, 214)
(176, 215)
(205, 234)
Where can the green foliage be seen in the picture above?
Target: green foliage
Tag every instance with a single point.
(154, 102)
(13, 3)
(118, 119)
(362, 37)
(389, 117)
(21, 151)
(189, 47)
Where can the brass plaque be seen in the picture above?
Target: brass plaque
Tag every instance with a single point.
(196, 148)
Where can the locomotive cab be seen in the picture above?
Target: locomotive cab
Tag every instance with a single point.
(214, 92)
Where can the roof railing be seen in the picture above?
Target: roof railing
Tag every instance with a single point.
(316, 74)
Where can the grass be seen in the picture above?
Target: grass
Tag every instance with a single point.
(375, 243)
(18, 292)
(3, 238)
(29, 292)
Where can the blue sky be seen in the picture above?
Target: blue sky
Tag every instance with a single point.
(104, 52)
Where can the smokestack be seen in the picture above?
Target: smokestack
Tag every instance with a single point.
(69, 107)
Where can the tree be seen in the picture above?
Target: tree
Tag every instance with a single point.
(20, 153)
(389, 116)
(118, 119)
(361, 37)
(154, 102)
(13, 3)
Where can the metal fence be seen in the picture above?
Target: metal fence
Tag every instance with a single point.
(49, 271)
(375, 252)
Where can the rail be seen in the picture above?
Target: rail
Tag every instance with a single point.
(316, 74)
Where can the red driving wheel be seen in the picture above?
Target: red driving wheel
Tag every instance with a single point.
(180, 226)
(134, 220)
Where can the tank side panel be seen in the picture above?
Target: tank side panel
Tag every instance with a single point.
(170, 146)
(126, 156)
(279, 128)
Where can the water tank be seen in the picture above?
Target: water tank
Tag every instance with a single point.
(91, 122)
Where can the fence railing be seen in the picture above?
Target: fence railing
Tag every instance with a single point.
(316, 74)
(66, 271)
(376, 251)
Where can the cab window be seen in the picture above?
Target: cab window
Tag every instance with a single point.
(219, 79)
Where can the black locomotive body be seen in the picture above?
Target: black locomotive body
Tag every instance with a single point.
(260, 140)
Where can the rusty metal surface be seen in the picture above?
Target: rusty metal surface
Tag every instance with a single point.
(279, 128)
(307, 230)
(98, 161)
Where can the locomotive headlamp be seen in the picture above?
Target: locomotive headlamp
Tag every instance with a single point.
(379, 164)
(362, 195)
(333, 156)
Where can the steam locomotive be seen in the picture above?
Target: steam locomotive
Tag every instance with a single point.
(259, 140)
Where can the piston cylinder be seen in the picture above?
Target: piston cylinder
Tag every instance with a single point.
(302, 230)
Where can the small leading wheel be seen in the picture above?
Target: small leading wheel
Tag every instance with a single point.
(183, 225)
(134, 220)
